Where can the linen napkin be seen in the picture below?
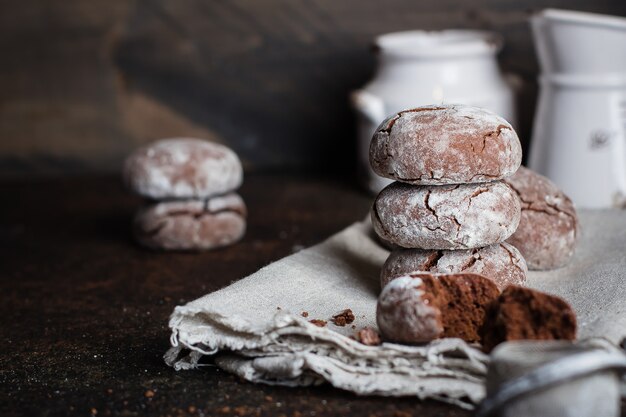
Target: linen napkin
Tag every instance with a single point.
(257, 328)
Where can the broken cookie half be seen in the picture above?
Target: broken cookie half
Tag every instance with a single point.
(420, 307)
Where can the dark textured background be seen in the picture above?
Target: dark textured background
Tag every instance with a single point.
(83, 82)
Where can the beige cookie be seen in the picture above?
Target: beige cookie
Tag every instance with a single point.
(501, 263)
(191, 224)
(548, 228)
(463, 216)
(447, 144)
(182, 168)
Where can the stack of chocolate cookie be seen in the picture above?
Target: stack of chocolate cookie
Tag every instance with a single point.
(449, 210)
(189, 184)
(454, 203)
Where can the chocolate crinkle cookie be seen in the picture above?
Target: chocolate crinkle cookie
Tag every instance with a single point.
(501, 263)
(548, 230)
(408, 309)
(459, 216)
(191, 224)
(182, 168)
(445, 144)
(523, 313)
(420, 307)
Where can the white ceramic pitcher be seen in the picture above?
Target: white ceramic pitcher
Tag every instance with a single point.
(418, 68)
(579, 138)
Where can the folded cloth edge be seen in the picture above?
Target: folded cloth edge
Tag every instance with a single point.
(457, 367)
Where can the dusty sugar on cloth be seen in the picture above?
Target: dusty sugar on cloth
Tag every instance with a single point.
(250, 337)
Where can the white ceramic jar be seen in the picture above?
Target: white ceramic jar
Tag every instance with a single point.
(418, 68)
(579, 133)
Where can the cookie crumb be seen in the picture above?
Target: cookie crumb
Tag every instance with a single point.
(318, 322)
(148, 394)
(305, 314)
(242, 410)
(278, 308)
(343, 318)
(368, 336)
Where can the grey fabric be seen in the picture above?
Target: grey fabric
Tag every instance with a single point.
(257, 328)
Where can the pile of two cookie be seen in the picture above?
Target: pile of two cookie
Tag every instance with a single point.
(450, 212)
(189, 184)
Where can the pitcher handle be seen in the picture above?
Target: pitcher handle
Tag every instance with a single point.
(371, 107)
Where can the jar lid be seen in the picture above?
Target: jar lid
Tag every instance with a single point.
(438, 44)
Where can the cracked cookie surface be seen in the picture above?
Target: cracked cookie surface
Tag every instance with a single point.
(502, 263)
(182, 168)
(191, 224)
(450, 144)
(548, 229)
(463, 216)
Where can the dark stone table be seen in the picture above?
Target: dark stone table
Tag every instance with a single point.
(84, 310)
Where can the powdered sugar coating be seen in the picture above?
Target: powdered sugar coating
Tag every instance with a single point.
(405, 313)
(548, 229)
(502, 263)
(447, 144)
(183, 168)
(191, 224)
(463, 216)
